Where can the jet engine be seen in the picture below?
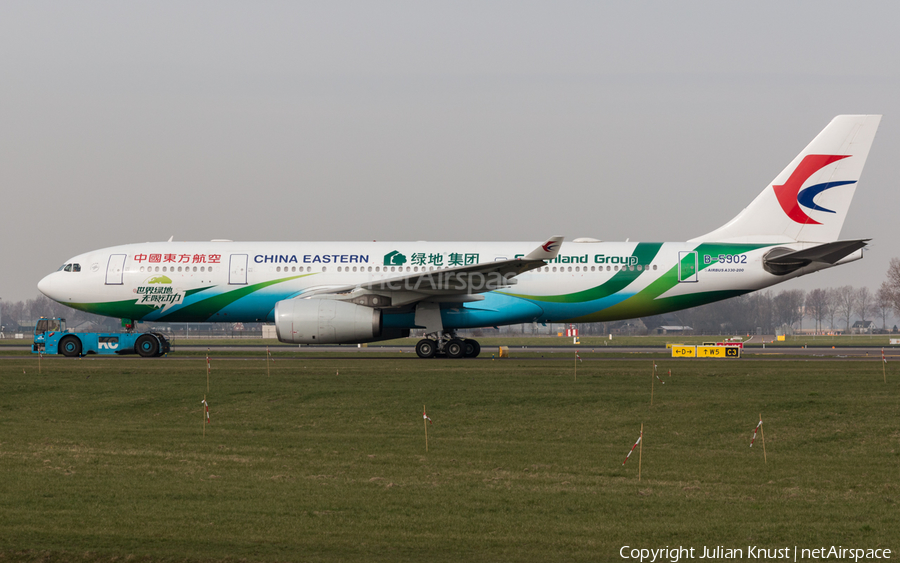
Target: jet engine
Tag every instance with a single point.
(325, 321)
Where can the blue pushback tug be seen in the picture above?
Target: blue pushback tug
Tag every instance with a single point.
(51, 337)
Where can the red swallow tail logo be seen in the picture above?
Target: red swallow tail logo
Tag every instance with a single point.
(548, 246)
(790, 195)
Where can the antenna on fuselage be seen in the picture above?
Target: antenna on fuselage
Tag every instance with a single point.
(170, 238)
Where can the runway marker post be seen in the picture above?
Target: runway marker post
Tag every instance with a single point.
(762, 437)
(205, 412)
(640, 451)
(759, 429)
(425, 421)
(639, 445)
(577, 359)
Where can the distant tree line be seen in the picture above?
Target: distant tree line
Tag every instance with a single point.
(769, 312)
(18, 316)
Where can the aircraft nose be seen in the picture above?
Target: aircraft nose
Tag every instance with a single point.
(48, 286)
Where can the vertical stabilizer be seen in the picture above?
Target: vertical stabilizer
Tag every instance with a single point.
(808, 201)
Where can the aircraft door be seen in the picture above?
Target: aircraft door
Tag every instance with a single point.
(237, 269)
(687, 266)
(115, 269)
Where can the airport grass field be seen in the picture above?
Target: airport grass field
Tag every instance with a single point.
(324, 459)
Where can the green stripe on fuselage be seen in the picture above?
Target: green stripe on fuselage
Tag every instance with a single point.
(645, 252)
(647, 302)
(208, 307)
(190, 292)
(128, 309)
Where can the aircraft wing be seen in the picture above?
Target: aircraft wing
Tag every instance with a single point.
(461, 283)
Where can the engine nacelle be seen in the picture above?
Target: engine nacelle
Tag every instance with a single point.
(325, 321)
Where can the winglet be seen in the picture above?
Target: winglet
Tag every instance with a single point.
(546, 251)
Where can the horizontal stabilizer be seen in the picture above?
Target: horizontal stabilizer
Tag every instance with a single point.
(782, 261)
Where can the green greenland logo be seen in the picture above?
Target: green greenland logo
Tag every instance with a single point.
(394, 258)
(158, 279)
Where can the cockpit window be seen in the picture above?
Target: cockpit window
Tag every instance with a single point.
(68, 268)
(76, 267)
(61, 267)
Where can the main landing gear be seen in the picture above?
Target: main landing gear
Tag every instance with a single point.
(448, 345)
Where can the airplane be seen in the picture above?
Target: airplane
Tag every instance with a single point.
(356, 292)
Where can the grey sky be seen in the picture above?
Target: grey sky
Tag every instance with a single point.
(134, 121)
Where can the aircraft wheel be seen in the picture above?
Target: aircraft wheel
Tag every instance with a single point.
(70, 346)
(473, 348)
(147, 346)
(456, 348)
(426, 348)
